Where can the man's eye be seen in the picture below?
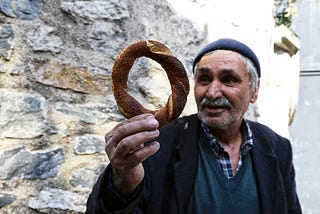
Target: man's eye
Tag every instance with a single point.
(204, 79)
(229, 80)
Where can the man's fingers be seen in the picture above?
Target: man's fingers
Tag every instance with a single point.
(134, 142)
(138, 124)
(143, 153)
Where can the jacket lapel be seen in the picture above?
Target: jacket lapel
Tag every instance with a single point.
(185, 167)
(267, 172)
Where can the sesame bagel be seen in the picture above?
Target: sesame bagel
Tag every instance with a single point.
(176, 74)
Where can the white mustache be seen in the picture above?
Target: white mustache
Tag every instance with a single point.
(221, 102)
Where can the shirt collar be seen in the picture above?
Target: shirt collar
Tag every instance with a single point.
(217, 147)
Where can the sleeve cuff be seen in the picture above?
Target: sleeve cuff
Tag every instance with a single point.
(113, 200)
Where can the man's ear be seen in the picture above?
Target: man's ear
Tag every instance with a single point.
(254, 95)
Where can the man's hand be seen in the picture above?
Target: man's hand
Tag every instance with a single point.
(126, 150)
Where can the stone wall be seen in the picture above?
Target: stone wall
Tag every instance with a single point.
(56, 98)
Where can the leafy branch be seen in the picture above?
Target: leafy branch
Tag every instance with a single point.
(285, 11)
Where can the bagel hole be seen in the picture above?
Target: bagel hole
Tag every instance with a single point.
(148, 83)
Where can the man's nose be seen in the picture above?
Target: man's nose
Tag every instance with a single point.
(214, 90)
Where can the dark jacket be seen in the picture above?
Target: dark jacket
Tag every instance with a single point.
(170, 173)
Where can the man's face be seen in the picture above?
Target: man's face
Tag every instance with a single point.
(222, 76)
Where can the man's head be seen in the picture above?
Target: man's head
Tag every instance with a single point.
(226, 80)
